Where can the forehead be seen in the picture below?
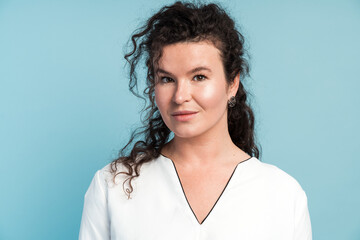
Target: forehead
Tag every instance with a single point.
(185, 55)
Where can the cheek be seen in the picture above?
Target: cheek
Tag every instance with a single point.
(161, 99)
(157, 99)
(213, 96)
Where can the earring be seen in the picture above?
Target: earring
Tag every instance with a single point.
(232, 101)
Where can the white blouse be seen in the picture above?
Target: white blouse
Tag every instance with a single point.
(259, 202)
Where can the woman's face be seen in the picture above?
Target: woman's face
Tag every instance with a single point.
(191, 91)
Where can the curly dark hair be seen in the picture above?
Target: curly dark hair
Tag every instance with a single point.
(184, 22)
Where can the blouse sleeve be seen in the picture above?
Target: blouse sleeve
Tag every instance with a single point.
(302, 218)
(95, 222)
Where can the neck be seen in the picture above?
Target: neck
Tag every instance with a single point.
(208, 149)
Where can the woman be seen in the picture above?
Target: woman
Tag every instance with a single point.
(206, 182)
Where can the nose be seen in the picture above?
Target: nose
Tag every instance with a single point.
(182, 92)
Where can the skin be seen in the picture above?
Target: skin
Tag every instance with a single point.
(191, 77)
(204, 140)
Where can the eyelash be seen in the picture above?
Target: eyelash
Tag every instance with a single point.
(202, 78)
(162, 79)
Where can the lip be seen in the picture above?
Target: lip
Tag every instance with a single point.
(183, 116)
(185, 112)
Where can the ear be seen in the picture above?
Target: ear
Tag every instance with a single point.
(232, 90)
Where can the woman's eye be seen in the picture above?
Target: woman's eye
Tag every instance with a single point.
(165, 79)
(199, 77)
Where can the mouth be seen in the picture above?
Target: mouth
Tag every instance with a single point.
(179, 113)
(183, 116)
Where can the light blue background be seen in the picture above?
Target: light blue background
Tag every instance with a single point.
(65, 109)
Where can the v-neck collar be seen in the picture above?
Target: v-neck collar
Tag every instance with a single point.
(183, 191)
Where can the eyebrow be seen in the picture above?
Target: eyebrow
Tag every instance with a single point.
(197, 69)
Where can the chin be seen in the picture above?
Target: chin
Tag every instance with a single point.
(186, 134)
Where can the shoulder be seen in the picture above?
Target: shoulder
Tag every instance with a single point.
(111, 173)
(276, 178)
(104, 182)
(115, 173)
